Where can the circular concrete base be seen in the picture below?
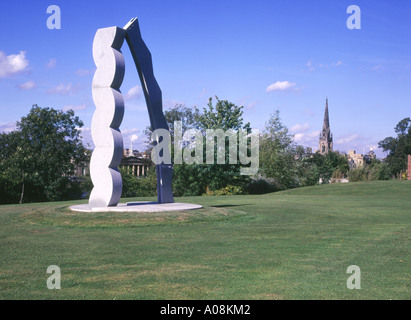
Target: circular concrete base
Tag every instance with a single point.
(140, 206)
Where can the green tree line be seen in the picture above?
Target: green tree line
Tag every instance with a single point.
(38, 159)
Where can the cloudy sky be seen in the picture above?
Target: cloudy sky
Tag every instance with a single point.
(261, 54)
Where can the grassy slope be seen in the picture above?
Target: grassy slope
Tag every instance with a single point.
(295, 244)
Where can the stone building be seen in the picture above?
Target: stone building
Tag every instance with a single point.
(355, 160)
(133, 162)
(136, 163)
(326, 137)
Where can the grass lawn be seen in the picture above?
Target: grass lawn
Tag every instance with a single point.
(295, 244)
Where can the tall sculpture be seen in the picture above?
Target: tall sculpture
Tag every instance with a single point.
(109, 112)
(153, 97)
(107, 117)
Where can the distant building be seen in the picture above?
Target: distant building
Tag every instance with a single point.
(369, 156)
(133, 162)
(326, 137)
(136, 163)
(356, 160)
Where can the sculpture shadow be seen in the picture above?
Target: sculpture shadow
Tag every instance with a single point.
(141, 203)
(230, 205)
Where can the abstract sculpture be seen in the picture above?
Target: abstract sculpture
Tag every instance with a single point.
(107, 117)
(109, 112)
(152, 93)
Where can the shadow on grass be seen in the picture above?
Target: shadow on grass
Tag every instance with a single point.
(229, 205)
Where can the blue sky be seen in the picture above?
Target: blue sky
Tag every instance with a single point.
(261, 54)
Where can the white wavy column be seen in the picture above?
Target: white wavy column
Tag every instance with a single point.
(107, 117)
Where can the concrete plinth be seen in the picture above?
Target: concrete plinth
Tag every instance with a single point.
(139, 206)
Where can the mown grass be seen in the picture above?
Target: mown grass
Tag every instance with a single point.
(295, 244)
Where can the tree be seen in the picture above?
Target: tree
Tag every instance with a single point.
(225, 116)
(10, 175)
(139, 187)
(373, 170)
(328, 165)
(197, 178)
(188, 117)
(44, 151)
(309, 170)
(398, 148)
(277, 153)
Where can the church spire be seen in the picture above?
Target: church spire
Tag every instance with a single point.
(326, 138)
(326, 124)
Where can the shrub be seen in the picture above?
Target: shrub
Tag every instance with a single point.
(139, 187)
(374, 171)
(229, 190)
(261, 186)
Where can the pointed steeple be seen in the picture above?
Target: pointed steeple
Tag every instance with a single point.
(326, 124)
(326, 138)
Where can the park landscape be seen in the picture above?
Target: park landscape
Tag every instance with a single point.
(270, 217)
(294, 244)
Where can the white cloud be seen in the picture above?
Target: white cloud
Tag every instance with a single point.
(357, 142)
(377, 68)
(133, 137)
(324, 65)
(130, 132)
(85, 133)
(51, 64)
(83, 72)
(348, 139)
(307, 139)
(246, 103)
(75, 107)
(310, 66)
(27, 85)
(7, 127)
(251, 105)
(133, 92)
(63, 89)
(280, 86)
(300, 127)
(12, 64)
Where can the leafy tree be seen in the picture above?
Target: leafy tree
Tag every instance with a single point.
(277, 153)
(224, 115)
(398, 148)
(323, 167)
(309, 171)
(375, 170)
(139, 187)
(10, 175)
(42, 153)
(188, 117)
(197, 178)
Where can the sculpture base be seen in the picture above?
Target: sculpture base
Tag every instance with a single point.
(139, 206)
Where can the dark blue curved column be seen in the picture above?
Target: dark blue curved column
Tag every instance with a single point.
(152, 93)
